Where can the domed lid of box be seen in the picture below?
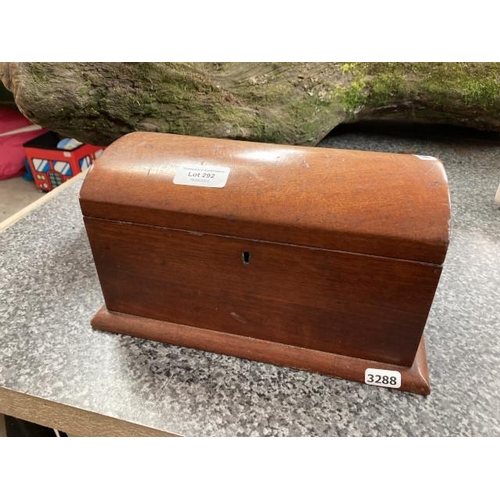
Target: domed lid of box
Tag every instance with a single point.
(380, 204)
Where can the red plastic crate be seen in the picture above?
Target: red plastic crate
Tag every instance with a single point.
(50, 166)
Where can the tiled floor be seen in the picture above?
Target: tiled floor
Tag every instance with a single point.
(15, 194)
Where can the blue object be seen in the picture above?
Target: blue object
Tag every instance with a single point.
(68, 144)
(27, 176)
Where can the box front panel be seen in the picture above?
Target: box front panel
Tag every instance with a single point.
(350, 304)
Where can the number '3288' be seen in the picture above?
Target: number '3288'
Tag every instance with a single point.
(381, 379)
(384, 378)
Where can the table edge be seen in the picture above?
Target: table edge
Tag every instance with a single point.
(10, 221)
(69, 419)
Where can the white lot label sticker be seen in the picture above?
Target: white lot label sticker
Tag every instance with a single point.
(214, 177)
(425, 157)
(383, 378)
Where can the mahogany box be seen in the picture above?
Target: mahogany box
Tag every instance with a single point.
(318, 259)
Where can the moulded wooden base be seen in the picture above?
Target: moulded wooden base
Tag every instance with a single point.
(414, 379)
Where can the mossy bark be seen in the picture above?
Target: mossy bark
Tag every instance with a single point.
(296, 103)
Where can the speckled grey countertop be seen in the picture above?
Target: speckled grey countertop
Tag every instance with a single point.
(49, 291)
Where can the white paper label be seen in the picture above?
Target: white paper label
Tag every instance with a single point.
(214, 177)
(383, 378)
(425, 157)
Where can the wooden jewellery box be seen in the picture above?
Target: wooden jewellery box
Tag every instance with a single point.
(319, 259)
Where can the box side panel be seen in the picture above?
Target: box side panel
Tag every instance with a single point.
(366, 307)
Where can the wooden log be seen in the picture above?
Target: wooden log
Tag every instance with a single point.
(294, 103)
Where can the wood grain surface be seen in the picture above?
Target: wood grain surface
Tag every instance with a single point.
(381, 204)
(324, 250)
(413, 379)
(367, 307)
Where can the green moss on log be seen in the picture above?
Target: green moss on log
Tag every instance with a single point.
(296, 103)
(474, 86)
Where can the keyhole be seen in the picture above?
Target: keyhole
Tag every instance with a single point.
(245, 257)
